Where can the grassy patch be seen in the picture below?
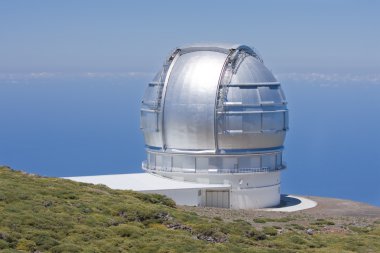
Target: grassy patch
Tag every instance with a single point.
(323, 222)
(57, 215)
(265, 220)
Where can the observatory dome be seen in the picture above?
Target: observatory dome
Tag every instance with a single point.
(215, 114)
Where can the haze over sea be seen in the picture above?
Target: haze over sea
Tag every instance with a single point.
(89, 125)
(72, 74)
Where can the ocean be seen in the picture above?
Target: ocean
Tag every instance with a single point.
(90, 126)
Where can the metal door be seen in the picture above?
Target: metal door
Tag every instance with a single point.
(218, 198)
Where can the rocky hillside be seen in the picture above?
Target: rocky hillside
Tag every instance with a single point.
(39, 214)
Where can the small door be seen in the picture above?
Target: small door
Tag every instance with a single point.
(218, 198)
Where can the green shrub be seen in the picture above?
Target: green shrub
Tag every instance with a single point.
(297, 240)
(297, 226)
(282, 219)
(265, 220)
(270, 231)
(26, 245)
(361, 230)
(43, 239)
(257, 235)
(260, 220)
(322, 222)
(207, 229)
(66, 248)
(4, 244)
(155, 199)
(126, 230)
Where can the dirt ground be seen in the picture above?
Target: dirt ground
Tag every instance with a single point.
(334, 215)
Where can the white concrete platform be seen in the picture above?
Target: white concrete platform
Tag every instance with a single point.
(144, 182)
(183, 193)
(291, 203)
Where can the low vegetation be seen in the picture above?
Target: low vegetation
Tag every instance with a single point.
(39, 214)
(265, 219)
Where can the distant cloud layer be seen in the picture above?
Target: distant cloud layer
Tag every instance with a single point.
(23, 77)
(320, 78)
(330, 78)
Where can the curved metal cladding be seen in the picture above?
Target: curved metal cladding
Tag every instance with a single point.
(214, 109)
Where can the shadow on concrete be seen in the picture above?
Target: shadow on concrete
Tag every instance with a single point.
(287, 201)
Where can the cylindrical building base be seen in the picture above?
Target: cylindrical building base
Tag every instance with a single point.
(255, 197)
(242, 191)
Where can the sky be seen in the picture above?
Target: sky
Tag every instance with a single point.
(72, 74)
(118, 36)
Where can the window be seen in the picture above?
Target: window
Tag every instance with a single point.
(278, 160)
(230, 163)
(202, 163)
(250, 162)
(151, 161)
(268, 161)
(167, 162)
(215, 163)
(177, 162)
(188, 162)
(158, 161)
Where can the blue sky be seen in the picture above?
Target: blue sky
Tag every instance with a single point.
(72, 74)
(121, 36)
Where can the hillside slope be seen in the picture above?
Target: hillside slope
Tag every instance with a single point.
(39, 214)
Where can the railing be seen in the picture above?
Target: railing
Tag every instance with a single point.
(211, 171)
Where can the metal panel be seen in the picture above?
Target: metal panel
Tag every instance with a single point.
(234, 123)
(251, 70)
(242, 96)
(190, 100)
(270, 94)
(252, 123)
(151, 95)
(149, 121)
(286, 119)
(273, 121)
(252, 140)
(250, 96)
(234, 95)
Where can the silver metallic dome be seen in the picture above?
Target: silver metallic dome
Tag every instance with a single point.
(214, 109)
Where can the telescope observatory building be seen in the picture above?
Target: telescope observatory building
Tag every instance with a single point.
(216, 117)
